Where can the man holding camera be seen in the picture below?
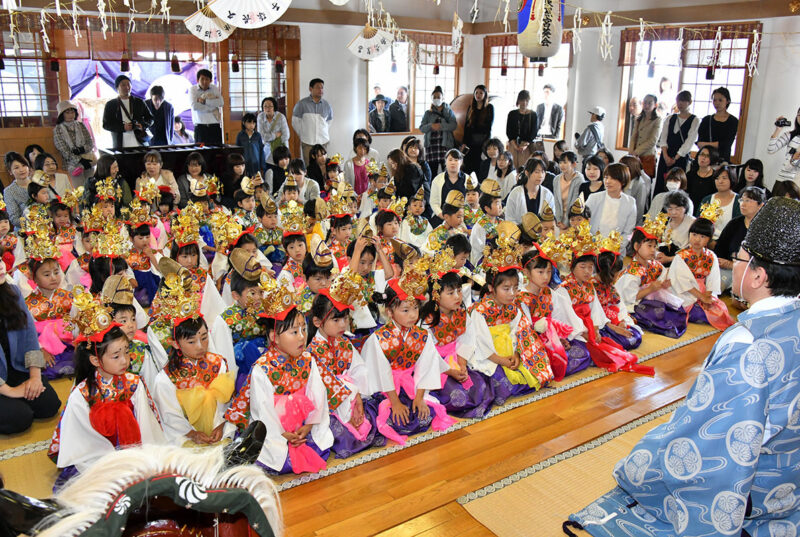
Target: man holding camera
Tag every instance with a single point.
(126, 117)
(791, 141)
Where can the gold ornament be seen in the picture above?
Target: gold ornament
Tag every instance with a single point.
(279, 297)
(246, 264)
(578, 206)
(40, 178)
(373, 168)
(179, 296)
(611, 243)
(653, 228)
(92, 319)
(248, 186)
(290, 181)
(384, 171)
(335, 159)
(117, 290)
(347, 288)
(455, 198)
(405, 251)
(149, 191)
(338, 205)
(292, 219)
(390, 189)
(546, 212)
(186, 229)
(93, 219)
(711, 211)
(507, 251)
(492, 188)
(108, 242)
(139, 214)
(107, 189)
(414, 280)
(225, 228)
(420, 195)
(363, 229)
(320, 253)
(531, 225)
(2, 203)
(269, 205)
(398, 206)
(470, 184)
(39, 245)
(72, 199)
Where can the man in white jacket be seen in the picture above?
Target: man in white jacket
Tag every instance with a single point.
(311, 118)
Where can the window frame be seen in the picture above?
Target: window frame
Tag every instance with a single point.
(690, 33)
(31, 56)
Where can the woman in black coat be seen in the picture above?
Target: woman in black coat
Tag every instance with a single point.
(477, 128)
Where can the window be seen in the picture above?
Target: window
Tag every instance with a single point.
(432, 56)
(652, 66)
(28, 88)
(501, 54)
(255, 80)
(387, 76)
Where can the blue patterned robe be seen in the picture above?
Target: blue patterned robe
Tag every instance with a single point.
(728, 462)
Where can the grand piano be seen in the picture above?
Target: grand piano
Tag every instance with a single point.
(131, 159)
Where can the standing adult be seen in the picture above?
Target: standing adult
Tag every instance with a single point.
(24, 394)
(311, 118)
(726, 462)
(646, 130)
(522, 126)
(272, 126)
(126, 117)
(791, 141)
(678, 135)
(452, 178)
(163, 127)
(477, 128)
(549, 115)
(380, 118)
(398, 110)
(73, 141)
(590, 141)
(206, 101)
(438, 124)
(634, 109)
(718, 130)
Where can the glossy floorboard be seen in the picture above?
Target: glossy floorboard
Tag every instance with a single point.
(413, 492)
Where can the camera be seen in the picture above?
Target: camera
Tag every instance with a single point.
(783, 123)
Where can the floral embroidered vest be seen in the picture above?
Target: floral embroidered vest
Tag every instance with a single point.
(417, 224)
(540, 305)
(138, 261)
(700, 264)
(57, 306)
(647, 274)
(450, 327)
(189, 373)
(242, 322)
(495, 313)
(401, 347)
(579, 293)
(136, 352)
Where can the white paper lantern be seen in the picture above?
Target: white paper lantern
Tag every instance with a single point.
(539, 25)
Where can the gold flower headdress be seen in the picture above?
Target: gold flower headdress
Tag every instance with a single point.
(653, 228)
(107, 189)
(139, 213)
(711, 211)
(226, 230)
(279, 297)
(373, 168)
(611, 243)
(93, 320)
(346, 290)
(93, 219)
(179, 297)
(108, 242)
(73, 198)
(186, 229)
(292, 219)
(507, 251)
(2, 203)
(149, 191)
(398, 206)
(39, 245)
(413, 283)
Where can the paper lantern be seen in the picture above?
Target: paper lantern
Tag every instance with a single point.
(539, 25)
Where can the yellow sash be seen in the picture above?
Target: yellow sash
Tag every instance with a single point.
(504, 346)
(200, 403)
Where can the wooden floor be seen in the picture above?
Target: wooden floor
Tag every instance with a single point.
(413, 492)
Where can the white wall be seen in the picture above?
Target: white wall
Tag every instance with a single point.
(592, 82)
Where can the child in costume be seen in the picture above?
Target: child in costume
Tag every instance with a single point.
(645, 287)
(403, 364)
(353, 422)
(465, 392)
(609, 268)
(245, 212)
(387, 222)
(166, 208)
(194, 390)
(508, 350)
(50, 305)
(236, 332)
(695, 277)
(118, 296)
(491, 207)
(384, 199)
(453, 222)
(109, 408)
(142, 259)
(268, 233)
(341, 228)
(548, 306)
(415, 227)
(64, 226)
(378, 179)
(333, 175)
(472, 209)
(605, 352)
(8, 240)
(318, 268)
(288, 391)
(39, 194)
(294, 242)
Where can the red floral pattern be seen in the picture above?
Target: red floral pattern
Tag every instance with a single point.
(541, 305)
(57, 306)
(450, 327)
(138, 261)
(648, 273)
(401, 347)
(700, 264)
(579, 293)
(190, 373)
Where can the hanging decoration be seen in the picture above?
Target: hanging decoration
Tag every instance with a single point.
(504, 65)
(206, 26)
(45, 37)
(76, 29)
(370, 43)
(680, 56)
(58, 8)
(577, 22)
(165, 10)
(175, 65)
(605, 38)
(539, 28)
(752, 63)
(101, 8)
(457, 34)
(249, 13)
(504, 4)
(715, 52)
(473, 12)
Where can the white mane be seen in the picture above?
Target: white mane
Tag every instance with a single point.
(88, 496)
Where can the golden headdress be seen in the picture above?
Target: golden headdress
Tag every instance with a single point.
(455, 198)
(268, 204)
(39, 245)
(346, 290)
(653, 228)
(711, 211)
(40, 178)
(506, 252)
(420, 195)
(293, 219)
(117, 290)
(199, 187)
(578, 206)
(186, 229)
(279, 297)
(110, 243)
(226, 230)
(338, 205)
(492, 188)
(335, 159)
(93, 320)
(611, 243)
(33, 221)
(413, 283)
(373, 168)
(149, 191)
(320, 253)
(439, 264)
(470, 184)
(246, 264)
(345, 190)
(247, 185)
(73, 198)
(384, 171)
(321, 211)
(139, 214)
(93, 219)
(531, 225)
(179, 297)
(553, 250)
(2, 203)
(390, 189)
(546, 212)
(398, 206)
(363, 229)
(290, 180)
(580, 240)
(107, 189)
(405, 251)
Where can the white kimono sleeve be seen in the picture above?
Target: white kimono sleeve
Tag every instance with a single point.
(563, 312)
(484, 346)
(599, 318)
(682, 281)
(465, 344)
(219, 266)
(319, 418)
(628, 286)
(74, 273)
(713, 280)
(477, 240)
(150, 368)
(357, 385)
(286, 276)
(222, 341)
(142, 319)
(211, 305)
(160, 356)
(262, 408)
(173, 420)
(362, 318)
(379, 371)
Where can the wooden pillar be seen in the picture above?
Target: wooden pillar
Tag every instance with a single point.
(292, 96)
